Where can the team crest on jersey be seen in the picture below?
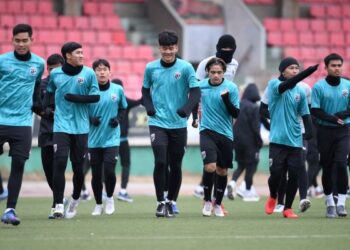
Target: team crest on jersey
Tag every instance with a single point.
(177, 75)
(80, 80)
(204, 154)
(114, 97)
(345, 93)
(153, 137)
(33, 71)
(297, 97)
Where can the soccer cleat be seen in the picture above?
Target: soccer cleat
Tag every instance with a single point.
(218, 211)
(51, 214)
(175, 209)
(71, 210)
(288, 213)
(97, 210)
(250, 195)
(270, 205)
(124, 197)
(3, 195)
(169, 213)
(279, 208)
(59, 211)
(304, 205)
(109, 209)
(230, 193)
(160, 211)
(198, 192)
(319, 192)
(207, 208)
(85, 195)
(331, 212)
(10, 217)
(341, 211)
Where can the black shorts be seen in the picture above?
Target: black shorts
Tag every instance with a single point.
(216, 148)
(75, 145)
(165, 137)
(283, 157)
(19, 139)
(333, 144)
(99, 155)
(245, 154)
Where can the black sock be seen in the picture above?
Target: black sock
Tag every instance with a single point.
(110, 178)
(208, 182)
(78, 179)
(47, 161)
(221, 183)
(292, 187)
(15, 180)
(96, 181)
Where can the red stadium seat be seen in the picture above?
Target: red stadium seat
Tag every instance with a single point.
(306, 38)
(90, 8)
(106, 8)
(334, 11)
(346, 25)
(337, 39)
(6, 47)
(318, 25)
(318, 11)
(129, 52)
(119, 37)
(287, 25)
(7, 21)
(113, 22)
(30, 7)
(274, 38)
(307, 53)
(45, 7)
(302, 24)
(322, 52)
(88, 37)
(3, 7)
(21, 18)
(40, 50)
(97, 22)
(321, 38)
(346, 10)
(291, 51)
(74, 35)
(65, 22)
(145, 52)
(272, 24)
(14, 7)
(50, 21)
(53, 49)
(81, 22)
(290, 38)
(333, 24)
(3, 36)
(104, 37)
(45, 36)
(123, 67)
(138, 67)
(114, 52)
(99, 52)
(36, 21)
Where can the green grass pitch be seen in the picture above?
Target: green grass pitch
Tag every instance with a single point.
(134, 226)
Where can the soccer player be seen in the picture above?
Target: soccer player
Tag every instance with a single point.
(220, 104)
(287, 101)
(170, 91)
(74, 86)
(330, 104)
(225, 48)
(20, 76)
(247, 143)
(104, 135)
(45, 138)
(124, 148)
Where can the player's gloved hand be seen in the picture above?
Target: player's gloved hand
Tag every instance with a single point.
(181, 113)
(95, 120)
(151, 112)
(195, 123)
(37, 109)
(113, 122)
(48, 113)
(68, 97)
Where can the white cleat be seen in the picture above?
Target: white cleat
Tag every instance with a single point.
(218, 211)
(207, 208)
(279, 208)
(59, 211)
(98, 210)
(304, 205)
(109, 209)
(250, 196)
(71, 210)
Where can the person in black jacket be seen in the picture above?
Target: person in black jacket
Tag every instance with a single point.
(247, 142)
(45, 138)
(124, 148)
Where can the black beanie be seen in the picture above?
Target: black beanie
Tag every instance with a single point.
(69, 47)
(286, 62)
(226, 41)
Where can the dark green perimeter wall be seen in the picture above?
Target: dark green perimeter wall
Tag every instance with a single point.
(141, 161)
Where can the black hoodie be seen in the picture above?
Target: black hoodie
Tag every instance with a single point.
(247, 126)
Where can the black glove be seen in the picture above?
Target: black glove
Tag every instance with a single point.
(48, 113)
(113, 122)
(225, 96)
(151, 112)
(195, 123)
(95, 120)
(181, 113)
